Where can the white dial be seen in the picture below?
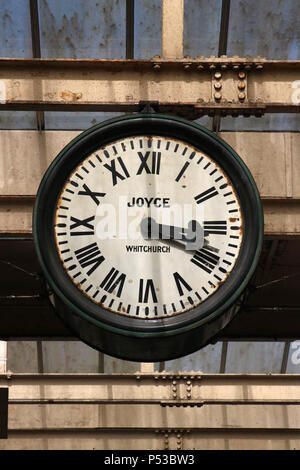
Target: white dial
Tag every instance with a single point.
(113, 254)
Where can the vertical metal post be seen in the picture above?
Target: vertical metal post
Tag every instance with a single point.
(172, 29)
(40, 359)
(129, 29)
(223, 357)
(285, 356)
(222, 49)
(223, 38)
(36, 50)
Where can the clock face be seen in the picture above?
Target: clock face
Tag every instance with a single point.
(148, 227)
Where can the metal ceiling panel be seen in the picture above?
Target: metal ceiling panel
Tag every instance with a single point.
(147, 29)
(24, 120)
(15, 30)
(15, 41)
(270, 122)
(201, 27)
(269, 29)
(55, 120)
(83, 29)
(254, 357)
(293, 362)
(206, 360)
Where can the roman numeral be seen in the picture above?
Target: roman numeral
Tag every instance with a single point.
(112, 281)
(116, 174)
(205, 259)
(144, 291)
(211, 192)
(92, 194)
(217, 227)
(180, 282)
(84, 223)
(89, 255)
(154, 162)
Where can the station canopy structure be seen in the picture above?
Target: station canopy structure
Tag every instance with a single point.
(54, 54)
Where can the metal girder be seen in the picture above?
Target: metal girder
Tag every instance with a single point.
(157, 388)
(172, 28)
(36, 49)
(225, 86)
(271, 158)
(115, 411)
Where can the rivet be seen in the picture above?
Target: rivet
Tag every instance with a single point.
(218, 95)
(259, 66)
(187, 66)
(156, 66)
(212, 67)
(200, 67)
(218, 75)
(224, 67)
(236, 67)
(218, 85)
(241, 75)
(241, 85)
(242, 96)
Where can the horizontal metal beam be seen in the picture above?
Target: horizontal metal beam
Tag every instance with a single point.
(109, 411)
(271, 157)
(187, 386)
(144, 439)
(188, 87)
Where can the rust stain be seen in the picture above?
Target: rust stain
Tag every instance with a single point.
(70, 96)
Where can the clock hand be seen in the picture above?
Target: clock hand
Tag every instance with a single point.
(190, 239)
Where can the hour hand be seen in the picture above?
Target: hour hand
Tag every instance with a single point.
(190, 238)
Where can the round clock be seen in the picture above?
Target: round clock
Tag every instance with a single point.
(148, 229)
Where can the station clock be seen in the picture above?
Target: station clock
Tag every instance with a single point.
(148, 229)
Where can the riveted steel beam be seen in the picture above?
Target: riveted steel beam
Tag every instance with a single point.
(206, 86)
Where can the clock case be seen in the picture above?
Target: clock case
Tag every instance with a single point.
(138, 339)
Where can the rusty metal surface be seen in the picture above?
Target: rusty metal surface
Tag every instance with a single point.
(205, 86)
(81, 29)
